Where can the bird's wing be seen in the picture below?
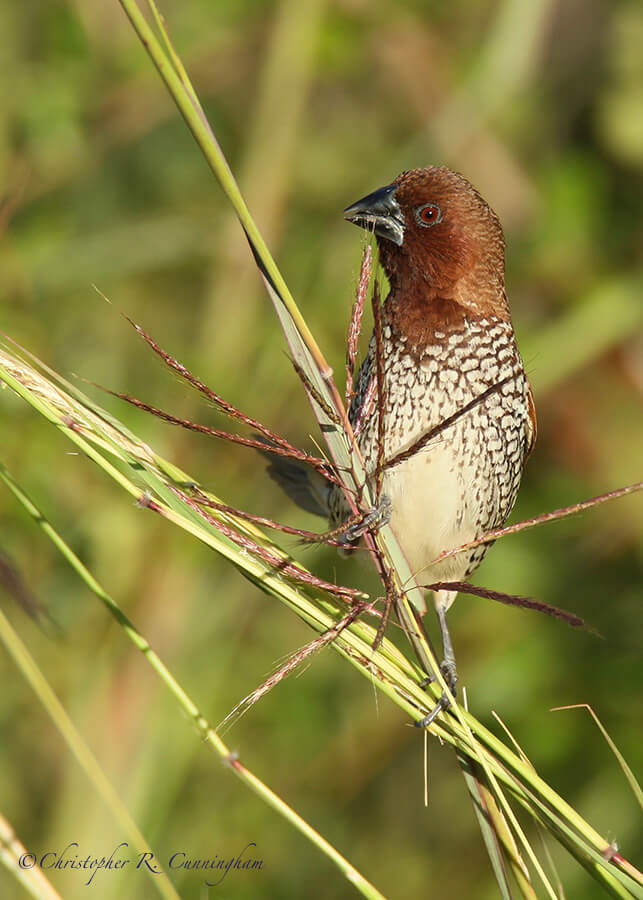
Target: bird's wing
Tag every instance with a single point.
(307, 488)
(365, 390)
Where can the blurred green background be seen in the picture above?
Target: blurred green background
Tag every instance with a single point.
(540, 105)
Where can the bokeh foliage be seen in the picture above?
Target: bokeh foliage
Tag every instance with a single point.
(315, 104)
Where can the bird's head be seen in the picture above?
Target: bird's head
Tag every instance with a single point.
(433, 226)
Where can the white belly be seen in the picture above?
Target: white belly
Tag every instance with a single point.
(430, 511)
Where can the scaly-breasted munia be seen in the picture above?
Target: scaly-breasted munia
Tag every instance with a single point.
(447, 338)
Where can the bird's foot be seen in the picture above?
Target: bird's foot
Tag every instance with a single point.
(450, 675)
(373, 519)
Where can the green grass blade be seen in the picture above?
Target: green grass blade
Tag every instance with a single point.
(66, 728)
(30, 877)
(627, 771)
(117, 451)
(86, 759)
(488, 829)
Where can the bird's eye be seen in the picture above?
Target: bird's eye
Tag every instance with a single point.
(427, 215)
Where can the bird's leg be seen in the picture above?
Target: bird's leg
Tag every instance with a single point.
(373, 518)
(447, 666)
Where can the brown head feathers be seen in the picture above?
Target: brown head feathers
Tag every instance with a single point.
(451, 260)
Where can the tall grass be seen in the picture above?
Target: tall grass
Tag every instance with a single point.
(400, 682)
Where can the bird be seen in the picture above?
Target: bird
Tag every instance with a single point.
(448, 355)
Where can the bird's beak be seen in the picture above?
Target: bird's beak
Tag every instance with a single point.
(379, 212)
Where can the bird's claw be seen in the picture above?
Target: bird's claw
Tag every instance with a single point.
(443, 703)
(450, 675)
(373, 519)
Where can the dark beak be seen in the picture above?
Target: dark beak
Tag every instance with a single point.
(379, 212)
